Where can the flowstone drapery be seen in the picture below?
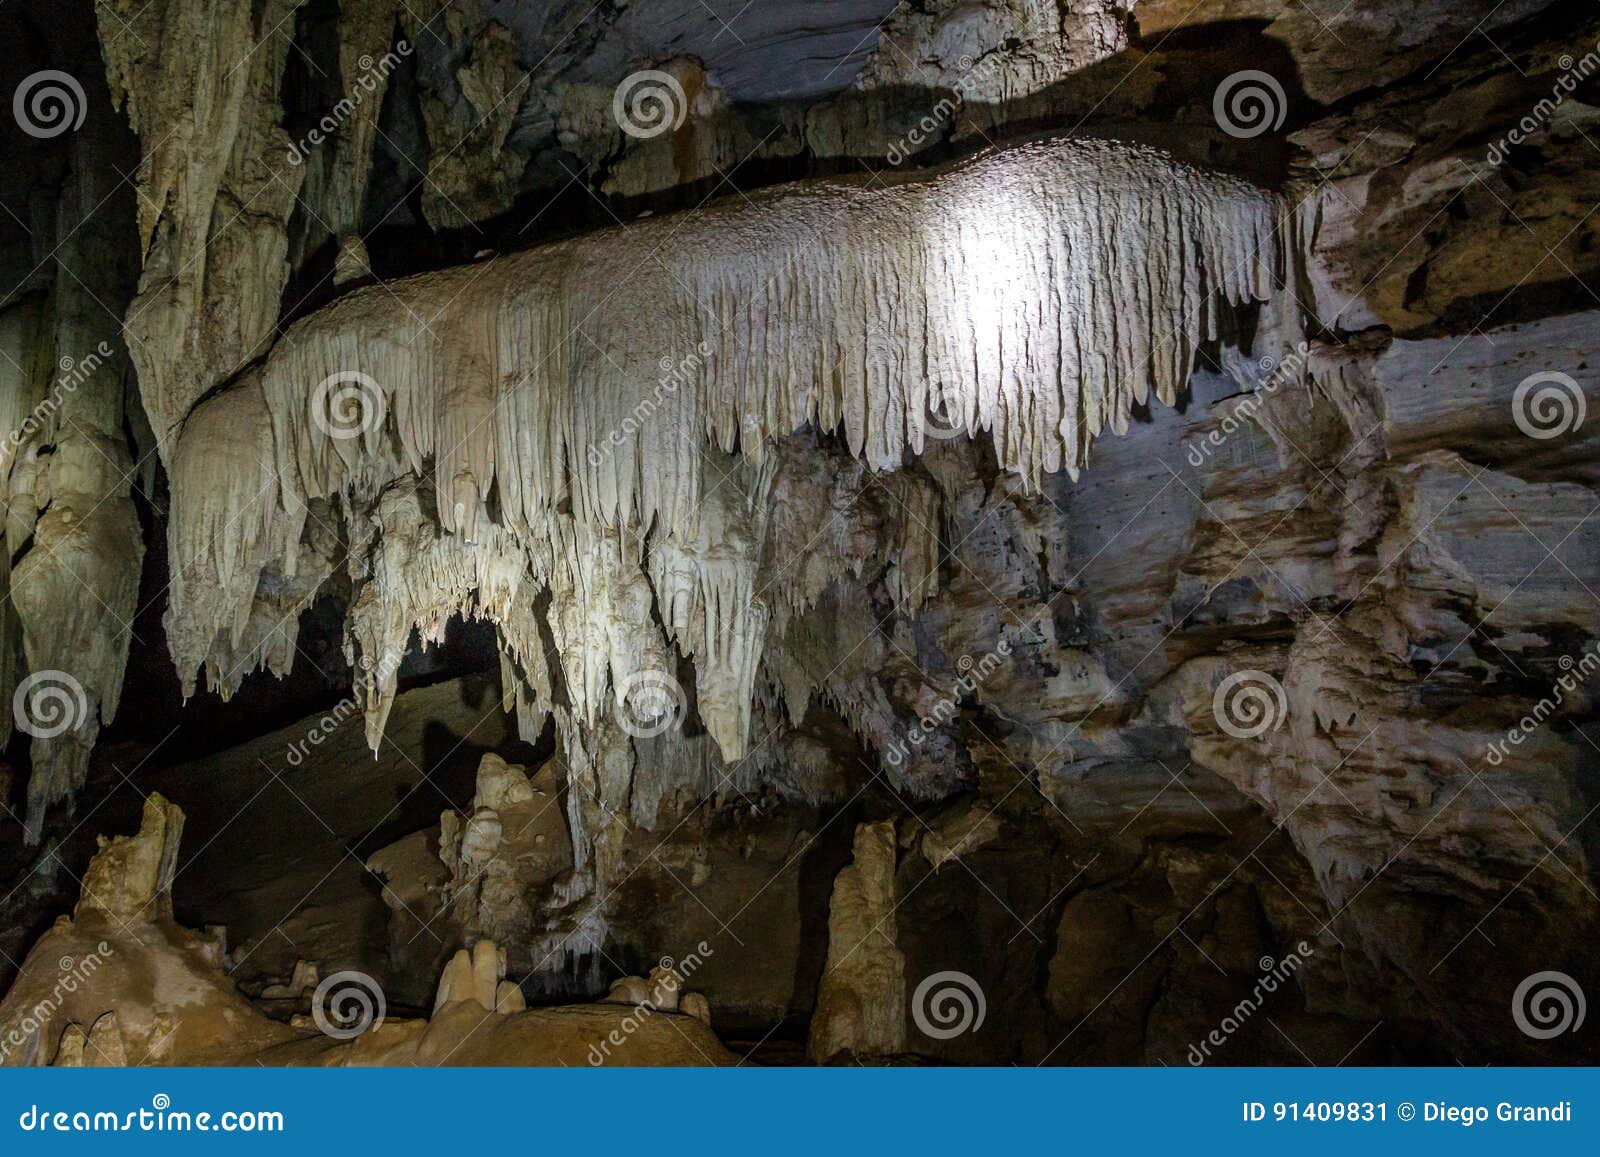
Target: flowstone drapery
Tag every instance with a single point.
(578, 442)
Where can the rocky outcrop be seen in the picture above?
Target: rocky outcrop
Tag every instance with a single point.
(121, 983)
(1346, 50)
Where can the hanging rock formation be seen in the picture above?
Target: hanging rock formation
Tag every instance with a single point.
(199, 82)
(485, 456)
(74, 543)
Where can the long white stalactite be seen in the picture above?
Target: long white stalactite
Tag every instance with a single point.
(575, 441)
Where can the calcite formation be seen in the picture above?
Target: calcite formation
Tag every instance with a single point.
(861, 1003)
(122, 983)
(73, 540)
(200, 83)
(840, 640)
(513, 844)
(486, 455)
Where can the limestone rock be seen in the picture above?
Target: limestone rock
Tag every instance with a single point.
(513, 846)
(696, 1005)
(861, 1002)
(66, 470)
(472, 170)
(69, 1053)
(629, 990)
(508, 998)
(104, 1046)
(458, 982)
(959, 832)
(130, 878)
(300, 985)
(1346, 50)
(623, 523)
(477, 974)
(200, 83)
(665, 988)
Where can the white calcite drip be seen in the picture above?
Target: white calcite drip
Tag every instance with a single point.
(577, 442)
(1038, 293)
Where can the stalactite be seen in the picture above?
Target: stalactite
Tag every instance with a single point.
(581, 442)
(1038, 293)
(69, 513)
(366, 61)
(199, 80)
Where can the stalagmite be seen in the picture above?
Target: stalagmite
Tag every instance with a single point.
(130, 878)
(104, 1047)
(120, 982)
(696, 1005)
(861, 1000)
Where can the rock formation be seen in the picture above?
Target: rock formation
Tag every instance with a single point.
(855, 316)
(975, 531)
(862, 999)
(121, 983)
